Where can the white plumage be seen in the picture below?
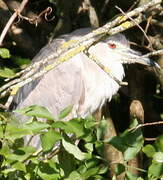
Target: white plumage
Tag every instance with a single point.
(79, 81)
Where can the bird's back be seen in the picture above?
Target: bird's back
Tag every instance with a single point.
(78, 82)
(49, 90)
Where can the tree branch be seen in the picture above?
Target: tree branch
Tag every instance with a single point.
(146, 124)
(11, 20)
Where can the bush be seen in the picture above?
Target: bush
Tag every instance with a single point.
(62, 156)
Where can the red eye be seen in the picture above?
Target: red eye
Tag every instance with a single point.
(112, 46)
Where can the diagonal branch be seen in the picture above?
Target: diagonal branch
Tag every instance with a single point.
(158, 52)
(11, 20)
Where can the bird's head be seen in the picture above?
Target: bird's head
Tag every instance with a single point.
(116, 48)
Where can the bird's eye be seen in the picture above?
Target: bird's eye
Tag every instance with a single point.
(112, 45)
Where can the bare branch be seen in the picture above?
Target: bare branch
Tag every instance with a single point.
(34, 20)
(107, 70)
(136, 25)
(150, 139)
(159, 52)
(92, 14)
(11, 20)
(146, 124)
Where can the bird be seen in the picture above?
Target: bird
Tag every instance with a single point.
(80, 82)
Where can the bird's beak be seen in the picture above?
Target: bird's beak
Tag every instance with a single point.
(131, 56)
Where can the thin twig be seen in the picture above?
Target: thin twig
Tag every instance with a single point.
(11, 20)
(133, 5)
(154, 53)
(107, 70)
(146, 124)
(150, 139)
(125, 14)
(53, 153)
(157, 23)
(138, 45)
(146, 29)
(35, 154)
(34, 20)
(104, 6)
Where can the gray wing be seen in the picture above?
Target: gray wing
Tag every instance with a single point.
(58, 88)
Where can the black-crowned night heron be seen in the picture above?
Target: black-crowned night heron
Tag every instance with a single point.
(80, 81)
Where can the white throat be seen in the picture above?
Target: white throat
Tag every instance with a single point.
(99, 86)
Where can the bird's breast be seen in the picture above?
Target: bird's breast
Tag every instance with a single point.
(99, 86)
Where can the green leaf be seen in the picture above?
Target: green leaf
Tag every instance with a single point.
(4, 53)
(75, 176)
(52, 1)
(155, 170)
(7, 172)
(102, 129)
(74, 150)
(21, 154)
(19, 166)
(149, 150)
(75, 126)
(129, 142)
(90, 122)
(159, 143)
(36, 111)
(103, 170)
(65, 112)
(120, 168)
(22, 62)
(158, 157)
(139, 178)
(161, 115)
(91, 162)
(89, 147)
(48, 172)
(6, 72)
(135, 143)
(49, 139)
(15, 131)
(67, 163)
(1, 131)
(90, 172)
(35, 127)
(5, 151)
(130, 176)
(59, 124)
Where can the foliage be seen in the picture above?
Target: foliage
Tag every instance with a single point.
(71, 158)
(4, 53)
(6, 58)
(155, 153)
